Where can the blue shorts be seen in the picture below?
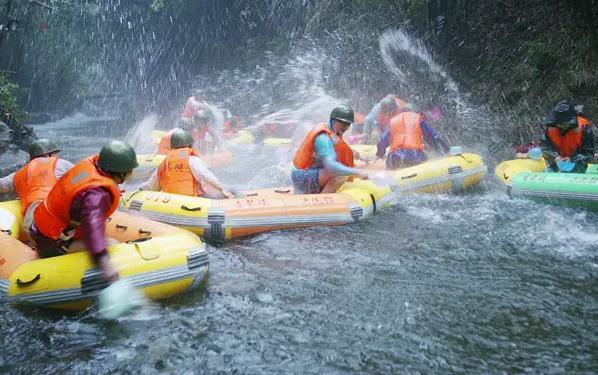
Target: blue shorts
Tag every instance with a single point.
(306, 181)
(404, 158)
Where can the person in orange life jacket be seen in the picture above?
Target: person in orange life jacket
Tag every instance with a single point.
(194, 103)
(202, 126)
(380, 116)
(33, 182)
(79, 204)
(323, 161)
(568, 137)
(231, 125)
(405, 136)
(182, 172)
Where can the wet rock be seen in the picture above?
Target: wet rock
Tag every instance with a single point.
(11, 159)
(5, 133)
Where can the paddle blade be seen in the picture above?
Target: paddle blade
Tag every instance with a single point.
(381, 179)
(535, 153)
(119, 299)
(565, 166)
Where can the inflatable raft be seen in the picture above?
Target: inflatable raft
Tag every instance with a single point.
(526, 178)
(270, 209)
(565, 189)
(160, 260)
(508, 169)
(245, 137)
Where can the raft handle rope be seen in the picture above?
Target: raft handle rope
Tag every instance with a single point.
(467, 160)
(408, 177)
(144, 232)
(283, 191)
(25, 283)
(138, 240)
(373, 202)
(192, 209)
(505, 176)
(122, 227)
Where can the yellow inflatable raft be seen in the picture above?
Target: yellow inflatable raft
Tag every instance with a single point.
(245, 137)
(162, 261)
(506, 170)
(270, 209)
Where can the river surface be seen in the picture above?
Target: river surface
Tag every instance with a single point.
(475, 283)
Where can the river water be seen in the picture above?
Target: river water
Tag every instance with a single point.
(474, 282)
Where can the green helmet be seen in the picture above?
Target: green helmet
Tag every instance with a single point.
(181, 138)
(411, 107)
(388, 104)
(202, 116)
(343, 113)
(41, 147)
(118, 156)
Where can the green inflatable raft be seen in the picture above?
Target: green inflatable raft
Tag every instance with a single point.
(566, 189)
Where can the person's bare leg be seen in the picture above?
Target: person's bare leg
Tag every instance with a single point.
(333, 185)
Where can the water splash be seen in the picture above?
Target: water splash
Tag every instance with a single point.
(138, 135)
(423, 80)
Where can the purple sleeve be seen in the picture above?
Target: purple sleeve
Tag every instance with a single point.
(429, 133)
(383, 143)
(95, 204)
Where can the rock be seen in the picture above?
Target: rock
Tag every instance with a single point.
(6, 133)
(12, 159)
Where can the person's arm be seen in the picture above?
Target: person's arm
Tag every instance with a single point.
(432, 137)
(549, 151)
(6, 184)
(201, 173)
(324, 148)
(62, 166)
(383, 143)
(215, 137)
(587, 143)
(95, 205)
(152, 183)
(370, 122)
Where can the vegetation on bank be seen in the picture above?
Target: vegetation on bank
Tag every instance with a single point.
(9, 108)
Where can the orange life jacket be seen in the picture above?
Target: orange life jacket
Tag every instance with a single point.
(174, 174)
(582, 120)
(53, 216)
(406, 132)
(304, 157)
(34, 181)
(569, 142)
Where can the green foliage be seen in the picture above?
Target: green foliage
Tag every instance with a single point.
(540, 56)
(9, 92)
